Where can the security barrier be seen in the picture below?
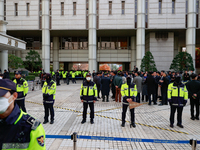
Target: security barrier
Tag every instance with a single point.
(74, 137)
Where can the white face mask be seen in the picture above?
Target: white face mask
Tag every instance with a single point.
(88, 78)
(0, 77)
(4, 104)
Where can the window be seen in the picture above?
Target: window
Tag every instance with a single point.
(135, 13)
(197, 14)
(110, 7)
(27, 9)
(4, 9)
(146, 13)
(186, 12)
(160, 7)
(74, 43)
(173, 6)
(40, 14)
(74, 8)
(87, 5)
(123, 7)
(62, 8)
(16, 9)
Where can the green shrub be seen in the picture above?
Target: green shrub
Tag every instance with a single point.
(30, 78)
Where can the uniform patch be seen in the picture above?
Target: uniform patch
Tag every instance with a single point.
(40, 140)
(25, 84)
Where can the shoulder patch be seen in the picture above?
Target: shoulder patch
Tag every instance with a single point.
(40, 140)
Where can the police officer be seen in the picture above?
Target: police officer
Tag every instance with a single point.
(18, 130)
(49, 91)
(64, 75)
(73, 77)
(129, 93)
(57, 78)
(88, 96)
(22, 90)
(177, 96)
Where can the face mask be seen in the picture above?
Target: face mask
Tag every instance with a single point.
(4, 104)
(0, 77)
(88, 78)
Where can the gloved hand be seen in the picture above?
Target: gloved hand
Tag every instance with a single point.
(184, 105)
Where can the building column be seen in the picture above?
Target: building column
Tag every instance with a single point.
(191, 29)
(3, 53)
(92, 58)
(55, 53)
(45, 36)
(140, 51)
(133, 52)
(4, 60)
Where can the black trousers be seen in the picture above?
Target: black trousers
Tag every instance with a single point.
(58, 81)
(73, 80)
(21, 104)
(113, 91)
(64, 79)
(67, 80)
(85, 106)
(124, 109)
(98, 90)
(48, 107)
(179, 114)
(194, 102)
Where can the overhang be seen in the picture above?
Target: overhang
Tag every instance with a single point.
(10, 43)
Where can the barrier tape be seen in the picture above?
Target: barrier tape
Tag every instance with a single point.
(155, 127)
(121, 139)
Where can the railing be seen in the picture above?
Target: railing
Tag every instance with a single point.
(74, 137)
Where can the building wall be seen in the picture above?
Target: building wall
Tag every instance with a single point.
(68, 20)
(166, 19)
(162, 50)
(116, 20)
(22, 21)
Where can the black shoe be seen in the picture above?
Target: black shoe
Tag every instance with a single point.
(123, 124)
(193, 118)
(45, 122)
(132, 125)
(83, 121)
(51, 122)
(171, 125)
(91, 121)
(107, 100)
(155, 104)
(197, 118)
(103, 100)
(149, 104)
(179, 125)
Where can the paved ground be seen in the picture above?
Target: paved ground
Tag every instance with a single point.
(152, 123)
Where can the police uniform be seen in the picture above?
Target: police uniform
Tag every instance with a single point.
(49, 91)
(128, 91)
(88, 94)
(73, 77)
(177, 97)
(19, 130)
(22, 90)
(64, 75)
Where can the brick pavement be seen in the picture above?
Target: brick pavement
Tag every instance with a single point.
(67, 121)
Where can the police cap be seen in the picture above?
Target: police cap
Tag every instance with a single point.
(18, 72)
(6, 85)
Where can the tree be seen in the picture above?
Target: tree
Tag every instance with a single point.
(33, 60)
(148, 63)
(182, 61)
(15, 62)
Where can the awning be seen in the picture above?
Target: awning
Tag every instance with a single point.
(10, 43)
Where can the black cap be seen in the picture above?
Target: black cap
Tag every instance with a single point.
(18, 72)
(6, 85)
(88, 74)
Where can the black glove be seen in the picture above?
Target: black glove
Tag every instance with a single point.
(184, 105)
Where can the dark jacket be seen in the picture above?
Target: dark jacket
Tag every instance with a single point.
(144, 87)
(165, 84)
(6, 75)
(105, 81)
(193, 87)
(118, 81)
(186, 77)
(97, 80)
(151, 85)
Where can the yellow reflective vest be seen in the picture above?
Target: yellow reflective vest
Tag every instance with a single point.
(49, 91)
(177, 94)
(128, 91)
(73, 74)
(21, 88)
(88, 91)
(64, 74)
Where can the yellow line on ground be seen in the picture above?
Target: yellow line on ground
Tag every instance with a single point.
(114, 118)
